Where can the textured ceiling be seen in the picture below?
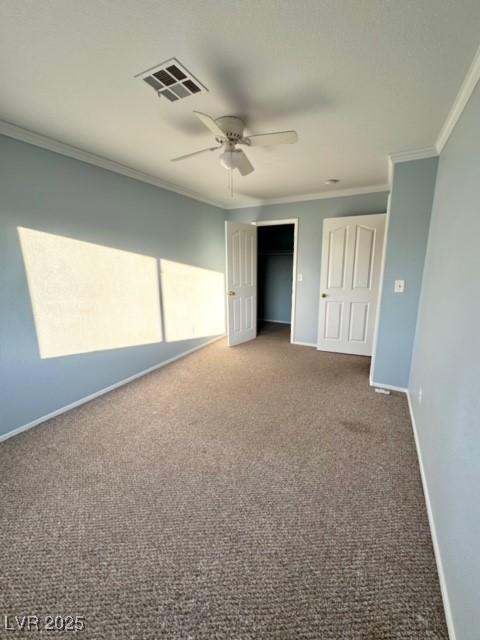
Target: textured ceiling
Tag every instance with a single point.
(357, 79)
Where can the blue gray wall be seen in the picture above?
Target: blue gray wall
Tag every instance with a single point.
(409, 219)
(310, 216)
(275, 288)
(275, 272)
(446, 366)
(49, 192)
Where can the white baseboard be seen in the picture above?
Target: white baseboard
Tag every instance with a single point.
(275, 321)
(304, 344)
(390, 387)
(92, 396)
(433, 531)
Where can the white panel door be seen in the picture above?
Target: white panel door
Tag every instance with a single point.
(349, 283)
(241, 247)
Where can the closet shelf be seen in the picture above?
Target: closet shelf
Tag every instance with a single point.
(287, 252)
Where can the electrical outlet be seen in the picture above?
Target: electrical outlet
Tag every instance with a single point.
(420, 395)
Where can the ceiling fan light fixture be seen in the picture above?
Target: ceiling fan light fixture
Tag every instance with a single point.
(230, 159)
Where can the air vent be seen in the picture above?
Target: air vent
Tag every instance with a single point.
(172, 81)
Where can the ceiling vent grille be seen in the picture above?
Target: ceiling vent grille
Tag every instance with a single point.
(171, 80)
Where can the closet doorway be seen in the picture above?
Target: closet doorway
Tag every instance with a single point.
(276, 277)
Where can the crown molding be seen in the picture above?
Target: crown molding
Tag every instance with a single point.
(463, 96)
(468, 86)
(413, 154)
(408, 156)
(390, 171)
(38, 140)
(323, 195)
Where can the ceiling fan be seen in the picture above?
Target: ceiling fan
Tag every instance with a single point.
(229, 132)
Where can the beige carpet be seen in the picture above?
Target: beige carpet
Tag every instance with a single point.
(258, 492)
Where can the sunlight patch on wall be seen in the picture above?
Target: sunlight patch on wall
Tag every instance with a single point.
(86, 297)
(193, 301)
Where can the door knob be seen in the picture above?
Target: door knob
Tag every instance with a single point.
(324, 295)
(230, 293)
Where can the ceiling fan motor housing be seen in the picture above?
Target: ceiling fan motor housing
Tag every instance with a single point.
(232, 127)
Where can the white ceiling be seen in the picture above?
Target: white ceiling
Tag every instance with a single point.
(358, 79)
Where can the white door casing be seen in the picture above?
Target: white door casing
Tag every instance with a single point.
(352, 250)
(241, 280)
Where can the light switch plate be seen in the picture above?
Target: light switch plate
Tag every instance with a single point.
(300, 277)
(399, 286)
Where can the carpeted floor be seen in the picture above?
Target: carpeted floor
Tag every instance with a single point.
(258, 492)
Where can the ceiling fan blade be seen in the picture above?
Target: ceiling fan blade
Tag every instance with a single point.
(245, 166)
(279, 137)
(195, 153)
(210, 123)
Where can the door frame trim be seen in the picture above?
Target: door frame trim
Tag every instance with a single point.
(274, 223)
